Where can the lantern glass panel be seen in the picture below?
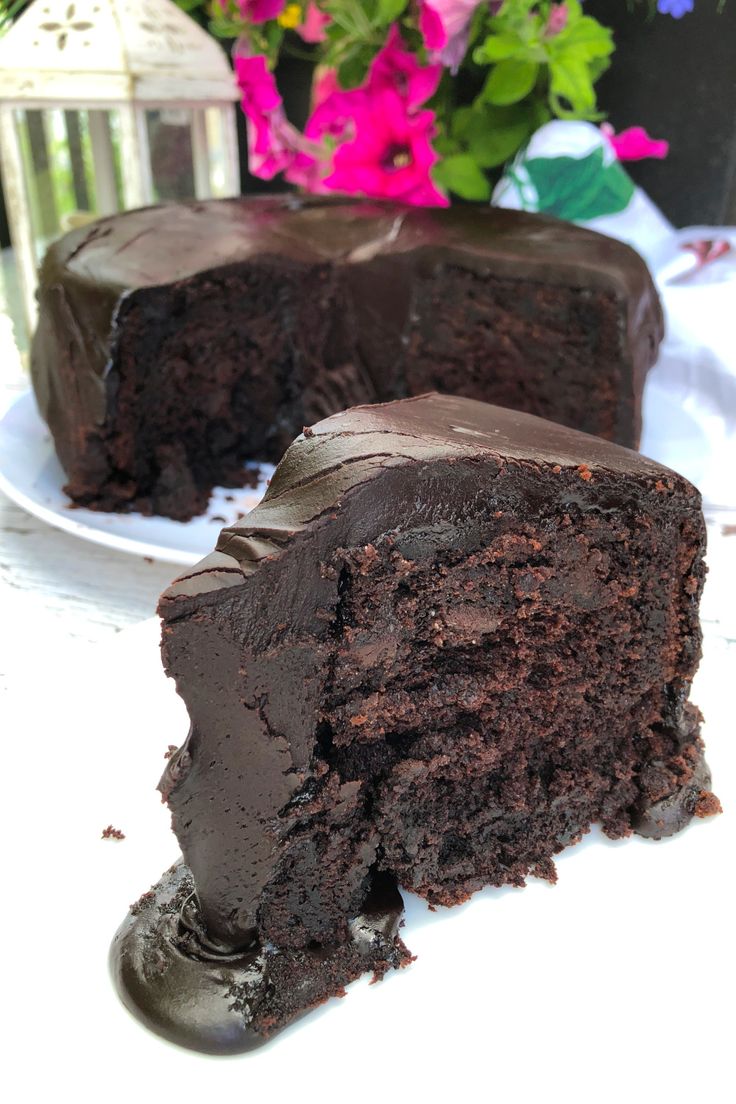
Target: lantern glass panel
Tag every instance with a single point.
(170, 143)
(71, 167)
(217, 129)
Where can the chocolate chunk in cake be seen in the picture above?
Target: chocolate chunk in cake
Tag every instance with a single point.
(450, 639)
(176, 342)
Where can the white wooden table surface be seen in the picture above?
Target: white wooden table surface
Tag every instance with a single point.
(56, 589)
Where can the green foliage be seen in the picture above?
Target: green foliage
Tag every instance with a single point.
(528, 54)
(492, 134)
(524, 65)
(390, 10)
(510, 81)
(461, 174)
(532, 64)
(10, 10)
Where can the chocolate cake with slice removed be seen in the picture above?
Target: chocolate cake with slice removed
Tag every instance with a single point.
(176, 342)
(450, 639)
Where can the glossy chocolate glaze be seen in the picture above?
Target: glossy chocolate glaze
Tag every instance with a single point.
(181, 984)
(434, 456)
(91, 278)
(416, 469)
(350, 449)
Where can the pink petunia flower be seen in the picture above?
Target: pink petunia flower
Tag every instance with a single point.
(445, 26)
(396, 68)
(330, 122)
(312, 29)
(325, 83)
(259, 11)
(335, 114)
(390, 154)
(557, 20)
(395, 82)
(273, 142)
(634, 144)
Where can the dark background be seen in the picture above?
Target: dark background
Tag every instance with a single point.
(676, 77)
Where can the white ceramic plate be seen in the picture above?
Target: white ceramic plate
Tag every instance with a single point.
(31, 476)
(616, 984)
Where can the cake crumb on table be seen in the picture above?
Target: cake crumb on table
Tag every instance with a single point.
(112, 833)
(707, 805)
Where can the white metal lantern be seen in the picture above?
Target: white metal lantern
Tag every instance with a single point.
(107, 105)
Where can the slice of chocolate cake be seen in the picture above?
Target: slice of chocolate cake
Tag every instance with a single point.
(450, 639)
(176, 342)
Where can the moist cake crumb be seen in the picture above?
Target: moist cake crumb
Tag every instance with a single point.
(427, 660)
(190, 338)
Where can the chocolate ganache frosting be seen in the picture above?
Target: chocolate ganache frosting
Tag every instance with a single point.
(175, 342)
(449, 639)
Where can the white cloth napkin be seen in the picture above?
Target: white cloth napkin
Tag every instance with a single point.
(570, 169)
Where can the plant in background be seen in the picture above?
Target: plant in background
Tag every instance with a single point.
(415, 100)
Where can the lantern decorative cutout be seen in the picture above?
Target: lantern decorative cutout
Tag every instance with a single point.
(107, 105)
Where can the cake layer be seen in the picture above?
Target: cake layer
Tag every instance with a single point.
(428, 571)
(175, 342)
(449, 639)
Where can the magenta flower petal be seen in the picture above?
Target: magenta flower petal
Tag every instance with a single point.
(390, 155)
(634, 144)
(335, 114)
(445, 25)
(259, 11)
(273, 143)
(256, 82)
(396, 68)
(432, 28)
(313, 27)
(556, 21)
(324, 85)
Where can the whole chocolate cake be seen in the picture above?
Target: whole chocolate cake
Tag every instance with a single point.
(176, 342)
(449, 639)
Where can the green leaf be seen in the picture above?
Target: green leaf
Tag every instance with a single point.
(352, 70)
(494, 134)
(587, 37)
(580, 188)
(540, 113)
(390, 10)
(510, 81)
(574, 10)
(461, 121)
(498, 48)
(571, 80)
(445, 145)
(461, 175)
(274, 38)
(222, 29)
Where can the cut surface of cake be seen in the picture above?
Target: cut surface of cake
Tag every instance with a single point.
(450, 639)
(176, 342)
